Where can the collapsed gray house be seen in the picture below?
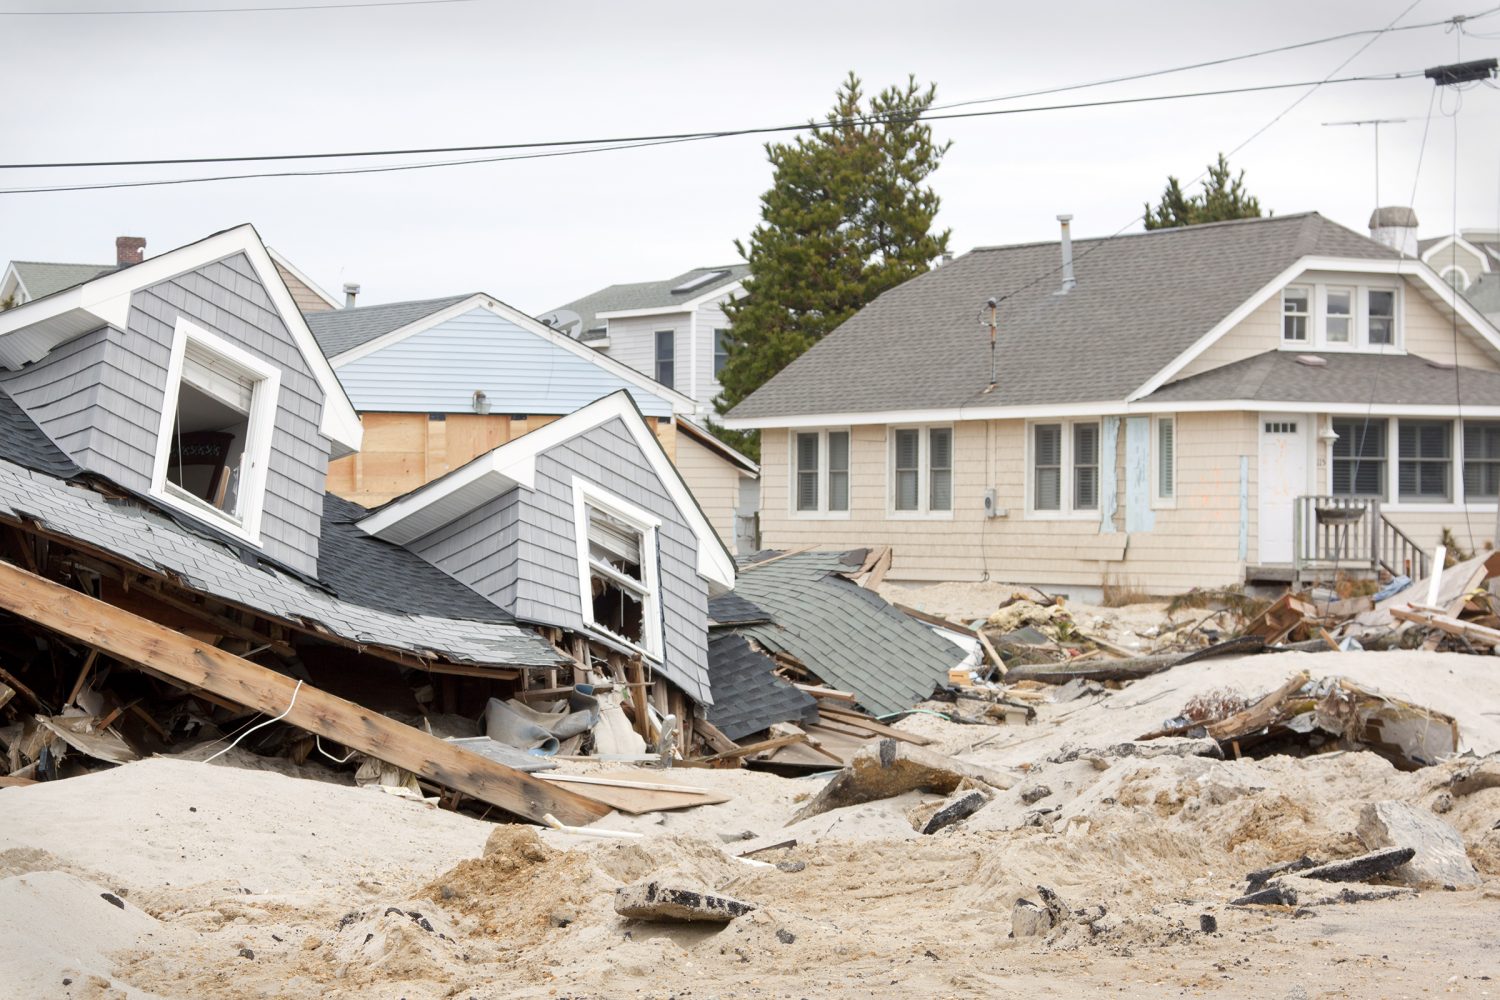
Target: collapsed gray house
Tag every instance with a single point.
(167, 429)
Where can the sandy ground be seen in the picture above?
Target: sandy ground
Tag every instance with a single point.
(174, 879)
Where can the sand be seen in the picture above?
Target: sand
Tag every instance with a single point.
(237, 883)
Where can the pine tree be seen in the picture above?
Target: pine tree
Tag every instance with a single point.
(1222, 198)
(847, 217)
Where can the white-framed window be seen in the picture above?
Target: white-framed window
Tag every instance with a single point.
(1062, 469)
(666, 357)
(1164, 462)
(820, 473)
(1424, 462)
(721, 351)
(1335, 316)
(618, 568)
(920, 472)
(1481, 476)
(1416, 463)
(213, 444)
(1456, 277)
(1296, 309)
(1359, 457)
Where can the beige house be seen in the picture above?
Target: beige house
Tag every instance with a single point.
(1180, 408)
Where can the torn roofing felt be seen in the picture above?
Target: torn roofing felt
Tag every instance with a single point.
(848, 636)
(748, 696)
(154, 542)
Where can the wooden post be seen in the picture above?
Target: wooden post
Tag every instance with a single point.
(136, 640)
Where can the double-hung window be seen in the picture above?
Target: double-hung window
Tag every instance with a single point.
(1164, 463)
(666, 357)
(820, 472)
(1296, 308)
(1338, 315)
(1380, 316)
(921, 470)
(1481, 459)
(214, 439)
(1425, 462)
(619, 583)
(1065, 467)
(721, 351)
(1359, 456)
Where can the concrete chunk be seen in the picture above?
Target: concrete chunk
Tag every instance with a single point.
(957, 807)
(888, 767)
(1439, 856)
(654, 901)
(1027, 919)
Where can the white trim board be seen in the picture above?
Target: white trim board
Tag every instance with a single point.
(689, 305)
(513, 464)
(31, 331)
(1450, 240)
(679, 402)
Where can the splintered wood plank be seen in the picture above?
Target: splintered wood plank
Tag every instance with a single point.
(136, 640)
(637, 797)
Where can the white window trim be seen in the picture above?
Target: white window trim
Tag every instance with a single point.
(1068, 512)
(822, 513)
(585, 495)
(256, 455)
(1159, 502)
(1359, 334)
(924, 474)
(1460, 269)
(1391, 498)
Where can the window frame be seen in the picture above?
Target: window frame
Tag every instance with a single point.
(653, 628)
(1462, 459)
(721, 353)
(658, 360)
(260, 431)
(1307, 316)
(1319, 286)
(924, 510)
(1390, 497)
(1160, 500)
(823, 511)
(1066, 511)
(1447, 462)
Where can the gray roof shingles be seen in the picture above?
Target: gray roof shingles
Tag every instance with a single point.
(341, 330)
(45, 277)
(649, 295)
(1364, 379)
(748, 696)
(27, 445)
(847, 635)
(733, 609)
(1140, 300)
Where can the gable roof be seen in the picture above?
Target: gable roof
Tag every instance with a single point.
(341, 330)
(513, 464)
(1141, 301)
(1352, 378)
(41, 278)
(847, 635)
(649, 296)
(30, 331)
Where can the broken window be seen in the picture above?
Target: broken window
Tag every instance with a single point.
(217, 421)
(619, 566)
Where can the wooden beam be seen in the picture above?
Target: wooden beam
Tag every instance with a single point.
(133, 639)
(1453, 626)
(15, 682)
(83, 675)
(713, 736)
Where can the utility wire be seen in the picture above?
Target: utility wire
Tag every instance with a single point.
(605, 145)
(230, 10)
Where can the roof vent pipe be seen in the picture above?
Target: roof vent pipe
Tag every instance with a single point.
(351, 290)
(1068, 281)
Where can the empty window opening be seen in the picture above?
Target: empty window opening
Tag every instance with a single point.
(616, 577)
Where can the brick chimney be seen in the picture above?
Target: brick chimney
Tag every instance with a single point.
(129, 250)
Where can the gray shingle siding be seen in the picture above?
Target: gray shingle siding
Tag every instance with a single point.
(100, 396)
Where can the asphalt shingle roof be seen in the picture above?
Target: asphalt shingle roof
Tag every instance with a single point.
(847, 635)
(733, 609)
(648, 295)
(748, 696)
(1140, 300)
(340, 330)
(366, 570)
(44, 277)
(27, 445)
(1279, 377)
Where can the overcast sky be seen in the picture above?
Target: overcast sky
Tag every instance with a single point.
(541, 232)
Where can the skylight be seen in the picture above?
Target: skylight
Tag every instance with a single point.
(699, 281)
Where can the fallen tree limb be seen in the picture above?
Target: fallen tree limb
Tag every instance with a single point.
(194, 664)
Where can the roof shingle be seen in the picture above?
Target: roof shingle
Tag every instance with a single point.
(649, 295)
(340, 330)
(1365, 379)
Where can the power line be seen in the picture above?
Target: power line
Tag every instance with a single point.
(1458, 19)
(231, 10)
(605, 145)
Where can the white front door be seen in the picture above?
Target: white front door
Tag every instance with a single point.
(1284, 442)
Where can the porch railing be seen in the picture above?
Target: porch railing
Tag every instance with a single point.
(1332, 532)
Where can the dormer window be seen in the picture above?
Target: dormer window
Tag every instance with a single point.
(1339, 317)
(617, 569)
(214, 440)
